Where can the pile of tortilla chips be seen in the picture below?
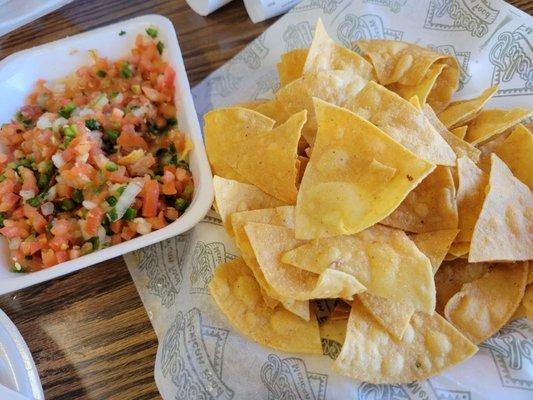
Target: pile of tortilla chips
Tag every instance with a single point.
(363, 189)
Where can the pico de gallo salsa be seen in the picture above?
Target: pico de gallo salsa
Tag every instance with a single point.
(94, 159)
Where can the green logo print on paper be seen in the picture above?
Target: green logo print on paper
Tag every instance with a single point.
(161, 263)
(362, 27)
(512, 58)
(512, 351)
(206, 257)
(288, 378)
(473, 16)
(394, 5)
(192, 356)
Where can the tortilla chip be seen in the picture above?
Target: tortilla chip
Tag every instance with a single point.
(291, 65)
(470, 196)
(489, 123)
(517, 152)
(356, 176)
(238, 296)
(283, 216)
(232, 196)
(429, 346)
(519, 313)
(452, 275)
(336, 87)
(383, 259)
(302, 165)
(503, 229)
(422, 89)
(527, 302)
(223, 129)
(415, 101)
(401, 62)
(485, 305)
(269, 242)
(251, 105)
(459, 146)
(268, 160)
(460, 131)
(273, 109)
(445, 86)
(435, 245)
(326, 55)
(430, 206)
(394, 316)
(401, 121)
(459, 249)
(460, 112)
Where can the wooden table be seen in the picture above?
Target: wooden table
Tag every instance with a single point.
(88, 332)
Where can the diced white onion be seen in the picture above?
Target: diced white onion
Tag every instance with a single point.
(54, 87)
(58, 160)
(101, 235)
(59, 123)
(43, 122)
(14, 243)
(140, 112)
(89, 205)
(127, 198)
(82, 158)
(27, 194)
(52, 193)
(41, 100)
(118, 99)
(84, 112)
(95, 135)
(47, 208)
(102, 101)
(143, 226)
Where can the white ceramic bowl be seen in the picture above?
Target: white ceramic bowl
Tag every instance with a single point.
(20, 71)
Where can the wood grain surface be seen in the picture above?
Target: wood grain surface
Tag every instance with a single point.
(88, 332)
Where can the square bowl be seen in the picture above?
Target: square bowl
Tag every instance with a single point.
(55, 60)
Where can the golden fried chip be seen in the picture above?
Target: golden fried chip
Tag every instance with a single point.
(517, 152)
(334, 329)
(393, 315)
(459, 249)
(302, 165)
(445, 86)
(232, 196)
(238, 295)
(460, 112)
(503, 229)
(268, 159)
(470, 196)
(527, 302)
(223, 128)
(460, 131)
(269, 242)
(283, 216)
(520, 312)
(401, 121)
(291, 65)
(400, 62)
(435, 245)
(326, 55)
(383, 259)
(415, 101)
(452, 275)
(429, 346)
(459, 146)
(489, 123)
(356, 175)
(422, 88)
(485, 305)
(336, 87)
(430, 206)
(273, 109)
(250, 105)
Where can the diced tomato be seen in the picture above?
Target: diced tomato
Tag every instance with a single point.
(116, 226)
(168, 183)
(62, 227)
(30, 248)
(58, 243)
(158, 222)
(94, 219)
(36, 219)
(64, 191)
(127, 233)
(8, 201)
(49, 257)
(151, 198)
(28, 180)
(62, 256)
(132, 140)
(116, 239)
(118, 176)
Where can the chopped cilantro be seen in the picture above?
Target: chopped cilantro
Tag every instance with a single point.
(111, 166)
(93, 124)
(101, 73)
(67, 205)
(126, 70)
(67, 110)
(160, 47)
(111, 200)
(130, 214)
(152, 31)
(181, 204)
(122, 33)
(77, 196)
(112, 135)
